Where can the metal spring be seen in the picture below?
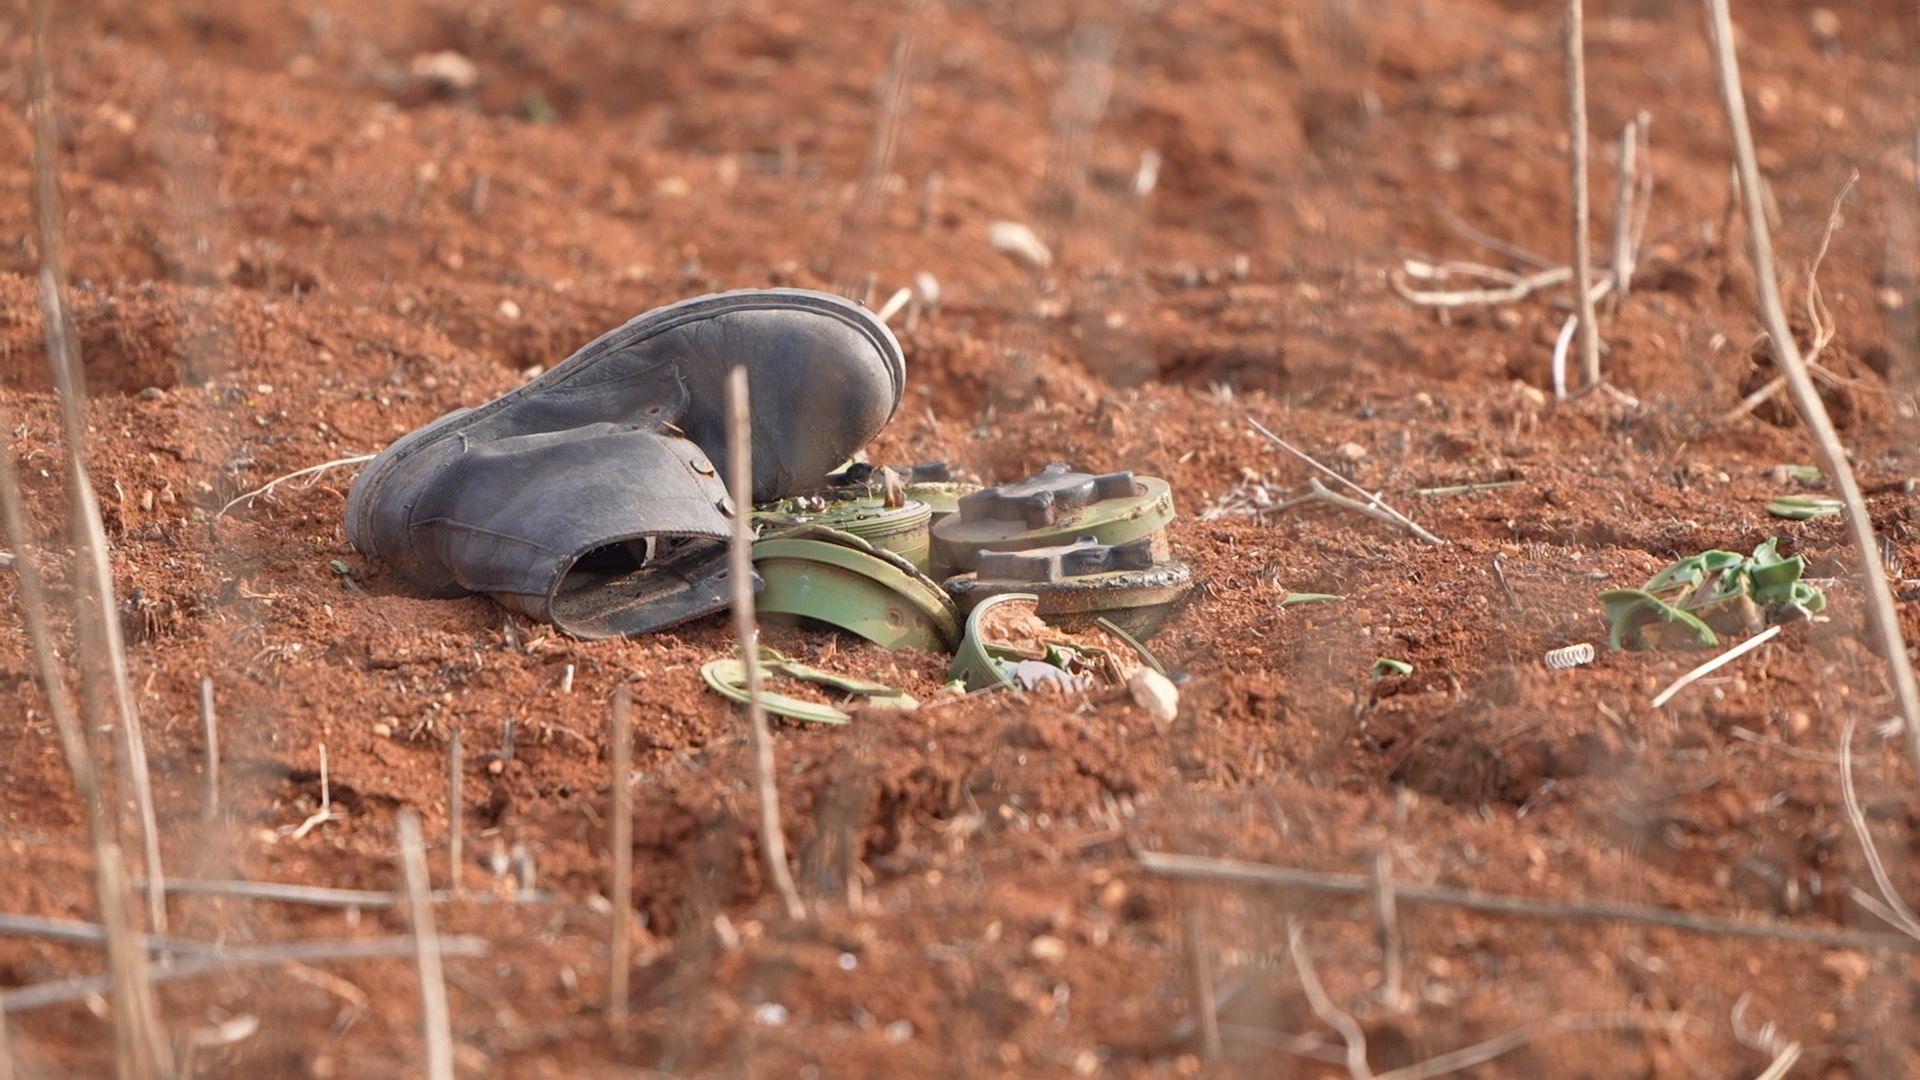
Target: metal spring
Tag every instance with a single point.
(1570, 656)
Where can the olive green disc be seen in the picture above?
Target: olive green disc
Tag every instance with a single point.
(1055, 507)
(839, 579)
(899, 529)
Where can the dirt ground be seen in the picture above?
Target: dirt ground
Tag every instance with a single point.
(297, 231)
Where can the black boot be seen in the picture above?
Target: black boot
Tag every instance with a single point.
(593, 496)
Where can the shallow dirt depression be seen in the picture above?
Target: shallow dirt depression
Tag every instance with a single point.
(294, 234)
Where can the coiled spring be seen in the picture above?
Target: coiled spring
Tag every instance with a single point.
(1570, 656)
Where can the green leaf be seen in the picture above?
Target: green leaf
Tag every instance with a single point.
(1625, 608)
(1293, 598)
(1389, 666)
(1805, 507)
(1689, 572)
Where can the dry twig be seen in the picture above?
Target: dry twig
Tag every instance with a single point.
(456, 811)
(1881, 614)
(773, 841)
(1205, 1008)
(140, 1046)
(1577, 162)
(621, 890)
(267, 488)
(1372, 499)
(327, 896)
(210, 745)
(1323, 1007)
(235, 958)
(1716, 664)
(434, 1014)
(1902, 916)
(1268, 876)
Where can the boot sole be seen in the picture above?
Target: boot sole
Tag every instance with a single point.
(359, 522)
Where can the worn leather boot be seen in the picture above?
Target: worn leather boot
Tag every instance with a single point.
(592, 496)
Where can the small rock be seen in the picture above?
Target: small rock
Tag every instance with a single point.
(928, 288)
(446, 71)
(1350, 451)
(385, 731)
(1019, 242)
(1047, 949)
(509, 309)
(1848, 967)
(1155, 694)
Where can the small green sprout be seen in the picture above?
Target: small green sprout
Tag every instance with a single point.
(1694, 592)
(1386, 665)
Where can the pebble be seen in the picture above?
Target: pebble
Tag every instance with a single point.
(1047, 949)
(1019, 242)
(1350, 451)
(1156, 694)
(509, 309)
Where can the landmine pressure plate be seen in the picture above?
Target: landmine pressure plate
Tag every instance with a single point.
(1078, 584)
(1056, 507)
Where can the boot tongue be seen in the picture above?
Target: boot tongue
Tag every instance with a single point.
(604, 530)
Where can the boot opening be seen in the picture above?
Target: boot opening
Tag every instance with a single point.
(646, 583)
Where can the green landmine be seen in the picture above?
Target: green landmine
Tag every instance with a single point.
(1056, 507)
(1008, 645)
(930, 482)
(1081, 583)
(900, 529)
(821, 575)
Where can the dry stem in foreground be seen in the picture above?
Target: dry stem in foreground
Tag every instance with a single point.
(1881, 615)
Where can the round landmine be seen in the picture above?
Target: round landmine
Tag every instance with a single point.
(930, 482)
(901, 529)
(1079, 584)
(832, 577)
(1055, 507)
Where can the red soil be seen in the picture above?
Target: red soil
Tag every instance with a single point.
(288, 249)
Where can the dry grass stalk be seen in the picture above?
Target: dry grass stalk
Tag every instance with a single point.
(1715, 664)
(773, 841)
(210, 744)
(1323, 1007)
(435, 1017)
(78, 932)
(1373, 501)
(101, 652)
(1881, 614)
(140, 1046)
(1582, 210)
(329, 897)
(1819, 317)
(1269, 876)
(235, 958)
(267, 488)
(1205, 1008)
(1900, 915)
(456, 811)
(1392, 976)
(621, 888)
(1625, 182)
